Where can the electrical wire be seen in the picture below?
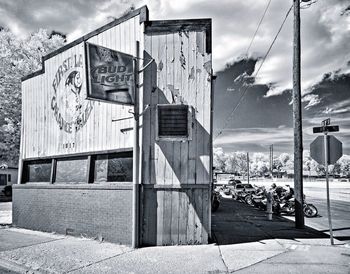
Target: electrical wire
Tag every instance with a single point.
(228, 118)
(257, 29)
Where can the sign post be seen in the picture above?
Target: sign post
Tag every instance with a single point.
(136, 155)
(327, 186)
(326, 150)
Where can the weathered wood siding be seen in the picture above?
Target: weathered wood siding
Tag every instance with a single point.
(176, 174)
(41, 134)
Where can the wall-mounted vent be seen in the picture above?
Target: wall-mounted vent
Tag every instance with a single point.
(174, 122)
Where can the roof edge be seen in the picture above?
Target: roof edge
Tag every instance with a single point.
(144, 16)
(171, 26)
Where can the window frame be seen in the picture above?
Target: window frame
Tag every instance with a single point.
(90, 172)
(127, 154)
(71, 158)
(25, 173)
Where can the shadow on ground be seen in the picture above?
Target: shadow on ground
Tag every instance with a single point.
(236, 222)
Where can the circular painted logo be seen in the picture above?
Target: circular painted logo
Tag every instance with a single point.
(71, 109)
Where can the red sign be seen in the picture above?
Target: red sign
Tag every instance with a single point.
(110, 75)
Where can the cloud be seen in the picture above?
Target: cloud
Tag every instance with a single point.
(263, 136)
(338, 107)
(311, 99)
(74, 18)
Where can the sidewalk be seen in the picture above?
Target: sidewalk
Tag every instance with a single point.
(247, 243)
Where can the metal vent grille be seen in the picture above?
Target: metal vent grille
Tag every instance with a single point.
(172, 121)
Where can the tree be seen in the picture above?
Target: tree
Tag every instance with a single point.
(231, 164)
(219, 158)
(345, 165)
(18, 57)
(284, 158)
(242, 166)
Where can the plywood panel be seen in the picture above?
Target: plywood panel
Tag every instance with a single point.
(168, 147)
(149, 219)
(146, 118)
(200, 91)
(192, 100)
(159, 98)
(183, 216)
(176, 93)
(184, 93)
(160, 217)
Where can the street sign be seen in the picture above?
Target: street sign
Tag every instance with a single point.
(325, 129)
(335, 149)
(326, 122)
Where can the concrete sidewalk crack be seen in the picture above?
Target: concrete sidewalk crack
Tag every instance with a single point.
(260, 261)
(105, 259)
(222, 258)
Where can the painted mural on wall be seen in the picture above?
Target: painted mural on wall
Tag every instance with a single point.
(68, 103)
(110, 75)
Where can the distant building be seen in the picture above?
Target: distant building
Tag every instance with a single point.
(8, 176)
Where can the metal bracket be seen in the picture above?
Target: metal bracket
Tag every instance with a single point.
(140, 114)
(146, 66)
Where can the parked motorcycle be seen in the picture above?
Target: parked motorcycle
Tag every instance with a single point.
(259, 200)
(310, 210)
(254, 199)
(287, 204)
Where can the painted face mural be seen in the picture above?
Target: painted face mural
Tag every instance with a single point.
(68, 103)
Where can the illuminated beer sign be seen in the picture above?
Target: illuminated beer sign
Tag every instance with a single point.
(110, 75)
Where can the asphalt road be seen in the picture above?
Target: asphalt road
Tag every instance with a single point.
(340, 210)
(340, 216)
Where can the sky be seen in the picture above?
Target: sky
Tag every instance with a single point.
(264, 115)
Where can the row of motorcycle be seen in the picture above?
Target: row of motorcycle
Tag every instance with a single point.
(283, 200)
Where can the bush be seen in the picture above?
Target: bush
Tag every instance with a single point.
(7, 191)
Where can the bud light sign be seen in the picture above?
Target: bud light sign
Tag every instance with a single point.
(110, 75)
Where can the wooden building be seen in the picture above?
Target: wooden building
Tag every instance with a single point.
(76, 161)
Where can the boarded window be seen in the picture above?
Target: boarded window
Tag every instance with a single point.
(71, 171)
(173, 122)
(37, 171)
(113, 168)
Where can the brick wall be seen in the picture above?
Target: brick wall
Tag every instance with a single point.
(89, 210)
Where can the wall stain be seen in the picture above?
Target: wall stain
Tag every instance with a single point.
(160, 65)
(191, 75)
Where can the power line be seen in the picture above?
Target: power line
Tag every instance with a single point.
(274, 40)
(228, 118)
(257, 29)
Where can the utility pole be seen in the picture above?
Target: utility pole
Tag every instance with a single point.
(248, 165)
(271, 160)
(298, 137)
